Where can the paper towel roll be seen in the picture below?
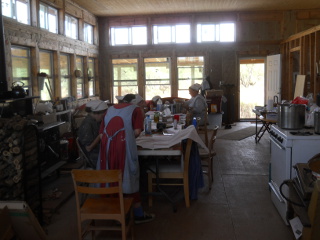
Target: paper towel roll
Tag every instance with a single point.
(270, 105)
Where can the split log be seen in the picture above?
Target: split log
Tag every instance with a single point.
(17, 178)
(15, 150)
(6, 153)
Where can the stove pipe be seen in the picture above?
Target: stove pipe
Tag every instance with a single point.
(3, 73)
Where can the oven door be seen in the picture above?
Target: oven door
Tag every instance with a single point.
(280, 171)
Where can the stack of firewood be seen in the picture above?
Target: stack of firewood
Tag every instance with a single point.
(11, 157)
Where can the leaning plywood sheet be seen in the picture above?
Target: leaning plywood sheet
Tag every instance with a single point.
(298, 92)
(25, 224)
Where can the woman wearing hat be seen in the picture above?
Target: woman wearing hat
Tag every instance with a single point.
(88, 132)
(197, 103)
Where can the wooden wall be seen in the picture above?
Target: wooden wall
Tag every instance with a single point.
(259, 34)
(37, 39)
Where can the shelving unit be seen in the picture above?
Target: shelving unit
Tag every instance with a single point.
(301, 55)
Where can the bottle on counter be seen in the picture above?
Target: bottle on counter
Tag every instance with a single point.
(159, 105)
(194, 122)
(147, 125)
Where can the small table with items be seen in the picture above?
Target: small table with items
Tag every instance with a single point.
(267, 118)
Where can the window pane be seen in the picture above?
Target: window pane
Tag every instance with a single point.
(23, 12)
(71, 27)
(139, 35)
(158, 80)
(80, 87)
(164, 34)
(46, 84)
(88, 33)
(21, 67)
(121, 36)
(125, 77)
(42, 16)
(182, 33)
(190, 71)
(207, 32)
(8, 9)
(227, 32)
(65, 76)
(91, 74)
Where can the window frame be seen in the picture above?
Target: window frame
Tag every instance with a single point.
(91, 79)
(217, 31)
(130, 35)
(115, 87)
(16, 10)
(67, 76)
(152, 80)
(47, 18)
(49, 76)
(80, 79)
(28, 87)
(88, 35)
(68, 25)
(173, 33)
(184, 92)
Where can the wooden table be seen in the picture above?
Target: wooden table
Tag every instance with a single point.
(266, 123)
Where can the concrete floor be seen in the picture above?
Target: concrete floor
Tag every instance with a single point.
(237, 208)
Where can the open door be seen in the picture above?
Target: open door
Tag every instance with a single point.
(273, 78)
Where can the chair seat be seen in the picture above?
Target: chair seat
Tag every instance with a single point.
(102, 206)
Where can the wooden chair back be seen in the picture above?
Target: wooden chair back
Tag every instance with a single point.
(97, 183)
(204, 129)
(213, 140)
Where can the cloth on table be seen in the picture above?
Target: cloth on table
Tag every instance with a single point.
(161, 141)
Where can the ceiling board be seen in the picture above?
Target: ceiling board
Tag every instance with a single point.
(147, 7)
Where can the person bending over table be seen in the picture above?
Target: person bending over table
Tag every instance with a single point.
(197, 103)
(88, 131)
(118, 150)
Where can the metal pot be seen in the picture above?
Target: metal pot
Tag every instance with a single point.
(317, 122)
(291, 116)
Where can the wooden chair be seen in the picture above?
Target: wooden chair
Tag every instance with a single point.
(207, 158)
(203, 130)
(178, 170)
(111, 206)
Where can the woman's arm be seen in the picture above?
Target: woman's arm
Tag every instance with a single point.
(95, 142)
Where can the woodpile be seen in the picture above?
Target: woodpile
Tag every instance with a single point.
(18, 158)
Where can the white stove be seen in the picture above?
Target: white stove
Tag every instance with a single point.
(289, 147)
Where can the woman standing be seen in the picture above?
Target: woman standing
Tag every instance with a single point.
(88, 132)
(118, 150)
(197, 103)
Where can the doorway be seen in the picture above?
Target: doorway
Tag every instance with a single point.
(252, 86)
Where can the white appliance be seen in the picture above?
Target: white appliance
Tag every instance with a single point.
(288, 147)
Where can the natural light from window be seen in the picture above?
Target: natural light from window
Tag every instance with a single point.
(171, 34)
(129, 35)
(223, 32)
(15, 9)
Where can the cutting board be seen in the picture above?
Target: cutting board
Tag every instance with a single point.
(300, 80)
